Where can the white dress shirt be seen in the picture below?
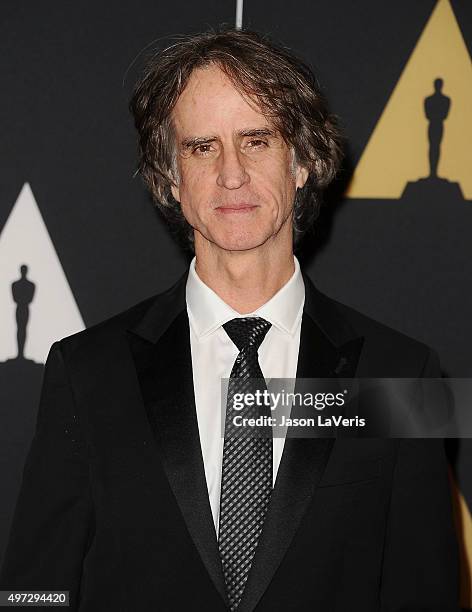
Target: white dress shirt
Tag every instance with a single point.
(214, 353)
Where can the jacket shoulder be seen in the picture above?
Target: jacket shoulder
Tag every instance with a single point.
(367, 325)
(386, 346)
(111, 330)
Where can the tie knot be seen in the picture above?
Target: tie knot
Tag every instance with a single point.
(247, 332)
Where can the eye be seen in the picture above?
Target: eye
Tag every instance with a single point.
(202, 149)
(257, 143)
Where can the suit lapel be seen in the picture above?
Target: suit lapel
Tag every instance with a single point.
(160, 345)
(328, 349)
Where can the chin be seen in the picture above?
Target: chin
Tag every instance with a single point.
(240, 242)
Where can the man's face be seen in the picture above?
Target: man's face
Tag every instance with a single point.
(237, 176)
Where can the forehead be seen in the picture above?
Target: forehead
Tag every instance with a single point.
(210, 100)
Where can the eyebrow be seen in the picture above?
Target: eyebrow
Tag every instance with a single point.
(195, 141)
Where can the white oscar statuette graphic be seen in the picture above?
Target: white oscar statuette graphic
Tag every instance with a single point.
(37, 306)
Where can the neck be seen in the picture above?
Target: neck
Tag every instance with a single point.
(245, 280)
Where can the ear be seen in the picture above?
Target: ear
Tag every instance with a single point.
(301, 176)
(175, 192)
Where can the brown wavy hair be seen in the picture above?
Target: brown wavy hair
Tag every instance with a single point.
(283, 86)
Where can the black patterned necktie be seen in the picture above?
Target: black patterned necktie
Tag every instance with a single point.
(246, 481)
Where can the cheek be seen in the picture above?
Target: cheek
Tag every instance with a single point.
(277, 183)
(196, 180)
(194, 191)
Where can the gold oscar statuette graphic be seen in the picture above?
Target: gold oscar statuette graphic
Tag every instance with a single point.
(463, 523)
(425, 130)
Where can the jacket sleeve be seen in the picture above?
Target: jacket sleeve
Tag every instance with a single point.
(421, 560)
(53, 520)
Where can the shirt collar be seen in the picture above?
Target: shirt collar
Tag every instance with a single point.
(207, 311)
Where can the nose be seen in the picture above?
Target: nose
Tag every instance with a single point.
(231, 171)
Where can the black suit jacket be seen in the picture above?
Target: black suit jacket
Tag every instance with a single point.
(114, 505)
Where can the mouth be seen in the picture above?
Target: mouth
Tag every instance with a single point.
(241, 207)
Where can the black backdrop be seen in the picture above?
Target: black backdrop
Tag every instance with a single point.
(67, 69)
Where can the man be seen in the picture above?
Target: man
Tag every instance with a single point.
(131, 497)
